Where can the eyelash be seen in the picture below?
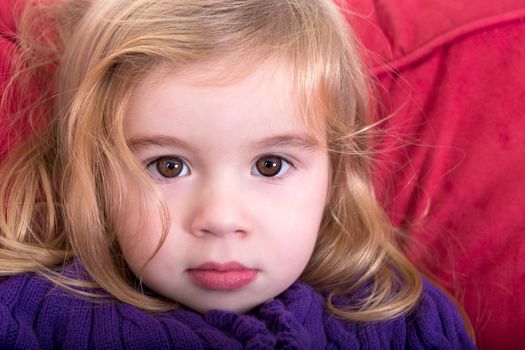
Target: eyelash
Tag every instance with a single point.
(287, 165)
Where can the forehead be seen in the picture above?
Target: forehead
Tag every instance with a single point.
(220, 96)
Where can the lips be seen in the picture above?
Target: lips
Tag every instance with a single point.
(222, 276)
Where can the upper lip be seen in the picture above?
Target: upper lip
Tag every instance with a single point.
(226, 266)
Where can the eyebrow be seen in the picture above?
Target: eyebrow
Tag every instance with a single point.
(304, 142)
(144, 142)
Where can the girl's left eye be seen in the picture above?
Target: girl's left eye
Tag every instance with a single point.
(271, 166)
(168, 167)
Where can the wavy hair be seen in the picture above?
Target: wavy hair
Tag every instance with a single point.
(61, 189)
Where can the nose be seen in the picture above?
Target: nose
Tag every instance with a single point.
(219, 211)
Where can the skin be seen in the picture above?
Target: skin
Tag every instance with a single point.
(221, 208)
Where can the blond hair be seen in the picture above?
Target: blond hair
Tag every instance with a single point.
(61, 188)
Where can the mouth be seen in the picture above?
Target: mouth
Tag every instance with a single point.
(222, 276)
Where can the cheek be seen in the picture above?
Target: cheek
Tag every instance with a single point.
(308, 198)
(139, 230)
(295, 218)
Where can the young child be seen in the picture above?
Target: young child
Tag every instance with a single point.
(202, 182)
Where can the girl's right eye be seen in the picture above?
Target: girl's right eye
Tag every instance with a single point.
(168, 167)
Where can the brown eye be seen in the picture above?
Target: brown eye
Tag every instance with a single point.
(169, 167)
(269, 166)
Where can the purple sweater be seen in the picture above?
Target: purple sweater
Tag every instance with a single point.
(36, 314)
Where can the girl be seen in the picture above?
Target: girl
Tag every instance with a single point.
(202, 181)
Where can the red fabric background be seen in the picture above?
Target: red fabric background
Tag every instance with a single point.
(451, 167)
(452, 161)
(11, 128)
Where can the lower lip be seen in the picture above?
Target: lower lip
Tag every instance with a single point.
(222, 280)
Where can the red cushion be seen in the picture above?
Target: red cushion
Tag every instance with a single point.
(7, 24)
(12, 127)
(451, 170)
(7, 135)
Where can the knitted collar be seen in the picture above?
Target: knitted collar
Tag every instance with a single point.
(296, 319)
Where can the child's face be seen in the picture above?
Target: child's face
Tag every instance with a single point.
(237, 237)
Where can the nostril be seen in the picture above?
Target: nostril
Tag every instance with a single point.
(219, 226)
(199, 233)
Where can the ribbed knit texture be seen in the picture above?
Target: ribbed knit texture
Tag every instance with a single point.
(36, 314)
